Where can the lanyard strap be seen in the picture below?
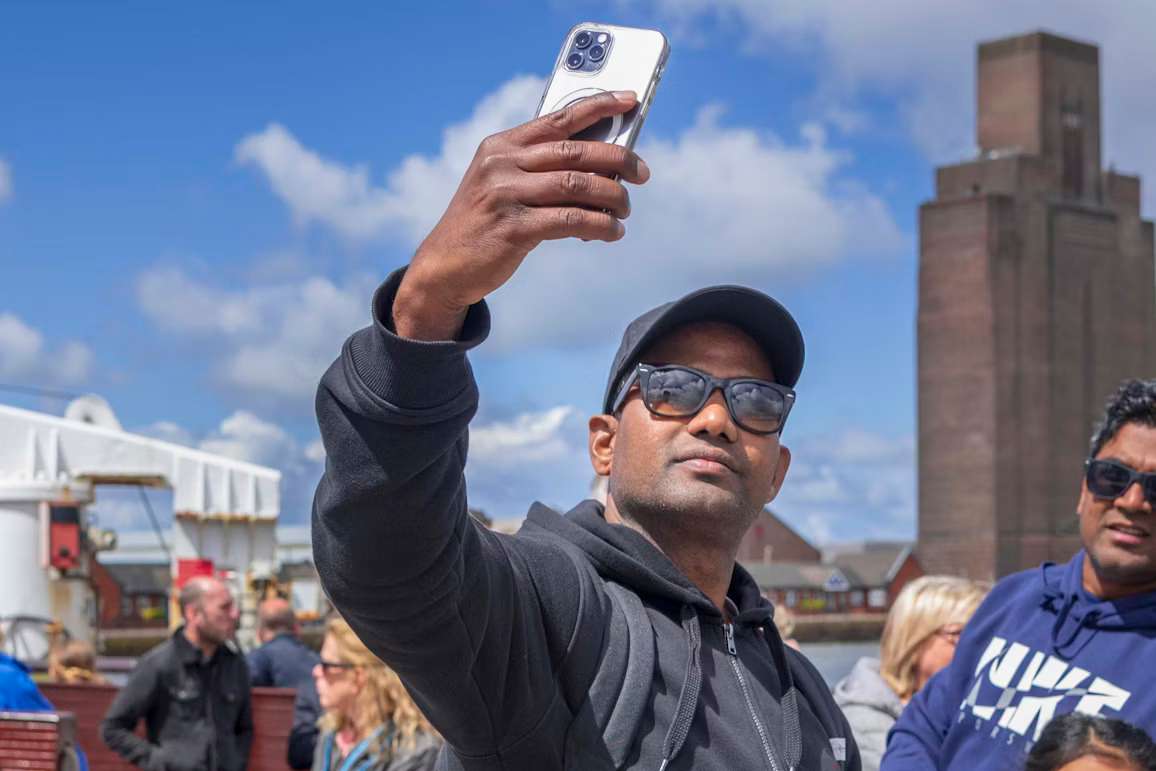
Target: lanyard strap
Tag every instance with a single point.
(350, 763)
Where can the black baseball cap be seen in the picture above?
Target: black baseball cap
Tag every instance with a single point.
(760, 316)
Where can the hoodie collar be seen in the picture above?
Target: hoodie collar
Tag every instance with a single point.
(623, 554)
(1079, 614)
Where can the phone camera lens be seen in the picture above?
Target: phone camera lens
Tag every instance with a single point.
(575, 60)
(582, 39)
(596, 53)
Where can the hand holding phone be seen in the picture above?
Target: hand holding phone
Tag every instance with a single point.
(527, 185)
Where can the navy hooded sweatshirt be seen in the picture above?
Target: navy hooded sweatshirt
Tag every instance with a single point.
(518, 648)
(1038, 646)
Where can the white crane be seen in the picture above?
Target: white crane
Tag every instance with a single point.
(225, 511)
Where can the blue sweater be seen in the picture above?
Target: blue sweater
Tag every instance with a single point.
(17, 691)
(1038, 646)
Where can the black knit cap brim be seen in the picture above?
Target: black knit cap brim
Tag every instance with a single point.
(760, 316)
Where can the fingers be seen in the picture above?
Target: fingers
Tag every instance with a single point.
(578, 188)
(570, 120)
(548, 223)
(597, 157)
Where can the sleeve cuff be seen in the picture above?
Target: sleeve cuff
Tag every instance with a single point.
(414, 374)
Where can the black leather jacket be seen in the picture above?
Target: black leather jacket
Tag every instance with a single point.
(197, 713)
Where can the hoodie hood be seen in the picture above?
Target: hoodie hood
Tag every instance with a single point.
(625, 556)
(865, 687)
(1079, 615)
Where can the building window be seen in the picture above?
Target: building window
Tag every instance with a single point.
(1072, 149)
(125, 606)
(877, 598)
(856, 598)
(792, 599)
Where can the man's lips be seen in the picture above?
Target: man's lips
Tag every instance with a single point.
(1128, 528)
(708, 460)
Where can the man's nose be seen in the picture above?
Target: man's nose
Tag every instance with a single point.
(714, 419)
(1133, 499)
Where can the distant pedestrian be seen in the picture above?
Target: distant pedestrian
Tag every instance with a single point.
(919, 639)
(192, 691)
(281, 661)
(1078, 742)
(304, 731)
(370, 723)
(73, 661)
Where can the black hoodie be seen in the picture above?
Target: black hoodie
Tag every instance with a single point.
(573, 644)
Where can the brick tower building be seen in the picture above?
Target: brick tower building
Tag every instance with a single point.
(1037, 295)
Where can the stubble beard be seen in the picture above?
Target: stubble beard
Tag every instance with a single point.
(662, 508)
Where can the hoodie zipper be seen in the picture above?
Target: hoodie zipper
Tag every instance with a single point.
(729, 630)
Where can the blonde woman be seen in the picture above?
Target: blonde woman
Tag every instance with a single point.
(73, 661)
(919, 639)
(369, 722)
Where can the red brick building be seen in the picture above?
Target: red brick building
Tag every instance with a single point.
(864, 580)
(1036, 297)
(770, 539)
(132, 594)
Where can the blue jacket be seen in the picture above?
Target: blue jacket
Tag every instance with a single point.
(17, 691)
(1038, 646)
(283, 662)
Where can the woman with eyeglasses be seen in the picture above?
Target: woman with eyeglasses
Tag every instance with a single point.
(919, 639)
(369, 722)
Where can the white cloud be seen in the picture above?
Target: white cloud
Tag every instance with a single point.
(414, 194)
(5, 182)
(24, 355)
(850, 485)
(528, 438)
(923, 54)
(725, 204)
(276, 338)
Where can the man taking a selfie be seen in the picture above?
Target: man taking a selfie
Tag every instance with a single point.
(615, 637)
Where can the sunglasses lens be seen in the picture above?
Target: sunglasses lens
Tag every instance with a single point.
(1107, 480)
(757, 406)
(674, 392)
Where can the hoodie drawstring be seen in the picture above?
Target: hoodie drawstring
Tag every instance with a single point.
(691, 687)
(790, 730)
(1061, 617)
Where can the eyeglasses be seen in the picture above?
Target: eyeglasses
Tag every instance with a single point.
(1110, 479)
(674, 391)
(950, 633)
(340, 666)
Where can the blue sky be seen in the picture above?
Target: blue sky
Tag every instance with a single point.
(196, 202)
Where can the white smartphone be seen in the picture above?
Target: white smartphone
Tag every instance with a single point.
(603, 57)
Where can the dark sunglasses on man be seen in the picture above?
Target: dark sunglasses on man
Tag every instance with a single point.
(1109, 479)
(675, 391)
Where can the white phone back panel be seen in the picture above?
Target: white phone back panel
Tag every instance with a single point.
(634, 62)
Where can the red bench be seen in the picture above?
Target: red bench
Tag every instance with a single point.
(37, 741)
(272, 719)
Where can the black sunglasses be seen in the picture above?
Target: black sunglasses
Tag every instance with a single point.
(340, 666)
(674, 391)
(1111, 479)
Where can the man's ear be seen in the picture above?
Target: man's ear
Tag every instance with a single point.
(780, 471)
(603, 429)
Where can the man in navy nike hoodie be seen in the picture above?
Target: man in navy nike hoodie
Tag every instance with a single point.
(616, 637)
(1060, 638)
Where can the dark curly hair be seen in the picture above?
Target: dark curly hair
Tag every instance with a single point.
(1074, 735)
(1133, 402)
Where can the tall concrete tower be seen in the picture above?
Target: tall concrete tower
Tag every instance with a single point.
(1037, 295)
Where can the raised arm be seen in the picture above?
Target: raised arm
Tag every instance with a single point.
(451, 606)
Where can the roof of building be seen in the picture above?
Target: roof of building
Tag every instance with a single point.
(141, 578)
(877, 565)
(800, 575)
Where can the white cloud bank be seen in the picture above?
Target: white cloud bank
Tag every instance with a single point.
(25, 355)
(923, 54)
(725, 204)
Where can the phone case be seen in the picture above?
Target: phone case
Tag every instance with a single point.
(633, 60)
